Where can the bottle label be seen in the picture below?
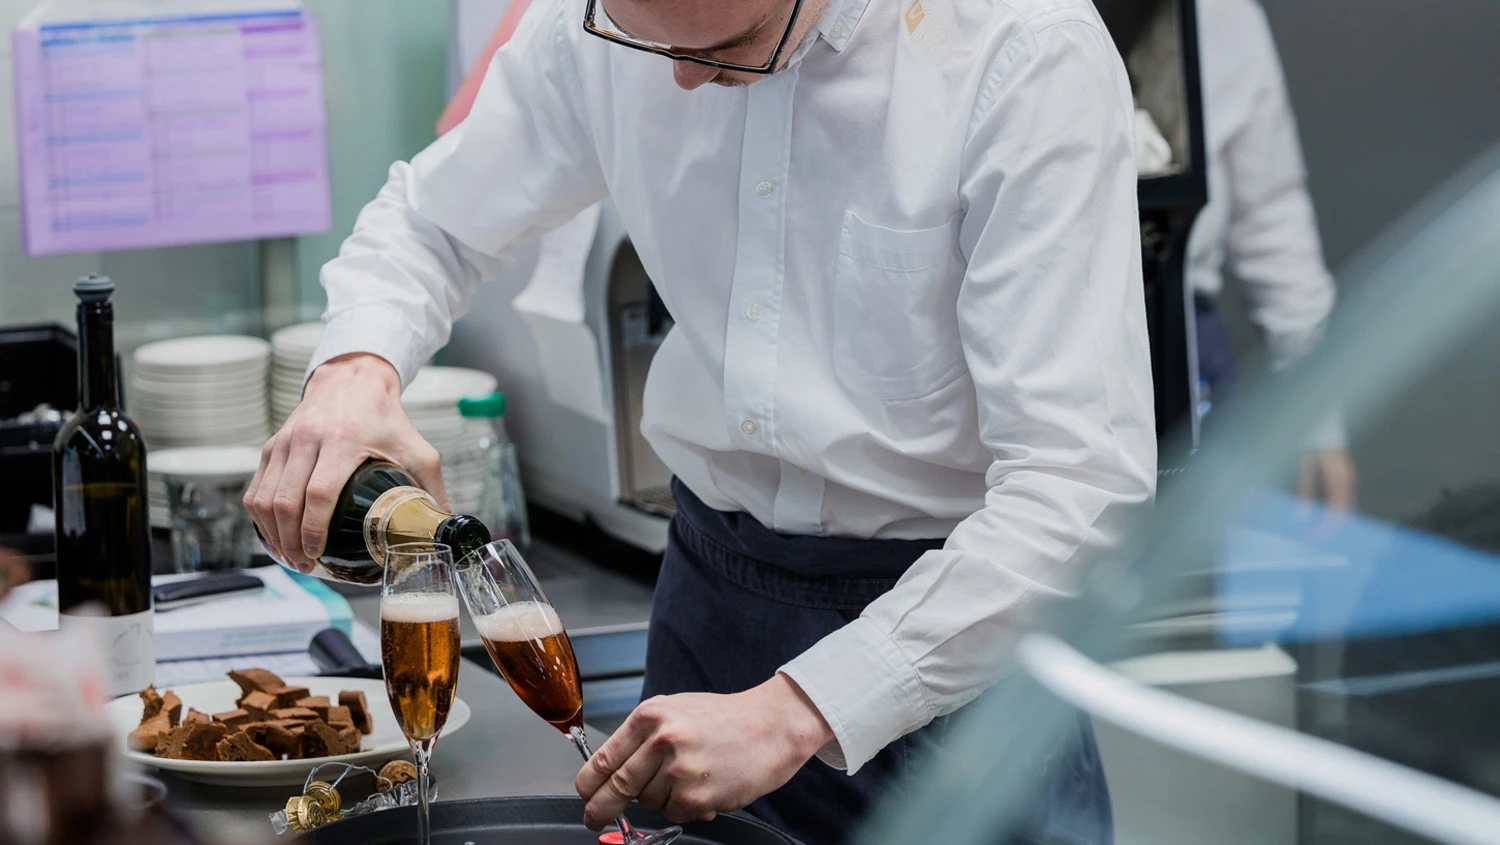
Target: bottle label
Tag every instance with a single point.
(128, 645)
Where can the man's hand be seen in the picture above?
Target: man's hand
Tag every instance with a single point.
(695, 755)
(14, 571)
(1329, 476)
(350, 411)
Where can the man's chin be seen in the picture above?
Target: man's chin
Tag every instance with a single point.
(730, 82)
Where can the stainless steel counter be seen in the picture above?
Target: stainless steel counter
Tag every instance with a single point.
(504, 750)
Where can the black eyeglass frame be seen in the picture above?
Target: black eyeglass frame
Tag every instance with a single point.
(626, 41)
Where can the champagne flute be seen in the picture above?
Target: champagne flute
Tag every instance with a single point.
(419, 650)
(531, 649)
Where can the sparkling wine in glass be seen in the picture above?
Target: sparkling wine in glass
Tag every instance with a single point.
(530, 647)
(419, 650)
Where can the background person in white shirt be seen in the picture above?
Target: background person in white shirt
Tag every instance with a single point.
(907, 390)
(1259, 226)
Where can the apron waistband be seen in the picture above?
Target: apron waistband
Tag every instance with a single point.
(841, 573)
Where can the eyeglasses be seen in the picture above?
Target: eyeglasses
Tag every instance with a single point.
(666, 50)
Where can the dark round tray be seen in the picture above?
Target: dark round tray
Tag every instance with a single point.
(526, 821)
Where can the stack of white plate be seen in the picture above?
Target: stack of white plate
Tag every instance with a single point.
(214, 463)
(292, 349)
(198, 391)
(431, 401)
(201, 391)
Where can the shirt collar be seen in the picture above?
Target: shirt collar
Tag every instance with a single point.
(839, 19)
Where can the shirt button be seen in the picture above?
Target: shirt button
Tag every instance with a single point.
(836, 31)
(749, 427)
(754, 311)
(764, 189)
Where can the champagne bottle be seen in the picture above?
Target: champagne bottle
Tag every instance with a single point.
(382, 507)
(99, 497)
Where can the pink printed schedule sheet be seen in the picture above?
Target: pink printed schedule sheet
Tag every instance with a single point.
(170, 130)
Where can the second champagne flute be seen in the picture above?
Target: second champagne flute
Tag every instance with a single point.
(419, 650)
(531, 649)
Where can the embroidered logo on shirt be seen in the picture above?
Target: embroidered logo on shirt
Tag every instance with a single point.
(930, 25)
(914, 16)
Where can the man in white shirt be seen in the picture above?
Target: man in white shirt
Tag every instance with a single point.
(908, 389)
(1259, 224)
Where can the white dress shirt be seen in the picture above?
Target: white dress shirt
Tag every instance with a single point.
(1259, 223)
(905, 275)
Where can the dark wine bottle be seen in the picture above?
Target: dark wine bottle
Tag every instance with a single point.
(99, 496)
(382, 507)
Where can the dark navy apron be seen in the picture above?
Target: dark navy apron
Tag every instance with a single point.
(736, 601)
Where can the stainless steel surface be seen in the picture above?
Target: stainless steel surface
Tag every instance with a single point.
(504, 750)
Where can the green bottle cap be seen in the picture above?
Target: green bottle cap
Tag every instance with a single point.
(488, 408)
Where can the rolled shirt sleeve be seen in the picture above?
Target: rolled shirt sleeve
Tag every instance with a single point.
(520, 164)
(1052, 238)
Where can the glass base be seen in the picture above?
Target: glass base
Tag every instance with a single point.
(655, 837)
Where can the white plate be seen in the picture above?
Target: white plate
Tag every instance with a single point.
(205, 462)
(303, 338)
(386, 743)
(201, 354)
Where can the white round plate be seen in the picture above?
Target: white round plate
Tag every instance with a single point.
(386, 743)
(214, 413)
(303, 336)
(235, 430)
(200, 354)
(205, 462)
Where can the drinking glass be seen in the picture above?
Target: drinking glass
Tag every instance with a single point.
(529, 646)
(419, 651)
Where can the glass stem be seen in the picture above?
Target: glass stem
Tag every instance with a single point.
(423, 752)
(626, 831)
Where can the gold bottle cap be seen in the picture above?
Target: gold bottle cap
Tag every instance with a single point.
(303, 813)
(326, 797)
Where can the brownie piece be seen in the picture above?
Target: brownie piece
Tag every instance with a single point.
(146, 737)
(359, 710)
(238, 748)
(234, 719)
(194, 715)
(319, 740)
(172, 706)
(192, 741)
(294, 714)
(258, 705)
(289, 696)
(340, 713)
(277, 739)
(319, 704)
(153, 702)
(397, 772)
(350, 736)
(257, 680)
(339, 726)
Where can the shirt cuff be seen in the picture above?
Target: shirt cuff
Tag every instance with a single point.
(374, 329)
(865, 688)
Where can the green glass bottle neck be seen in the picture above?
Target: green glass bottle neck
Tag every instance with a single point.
(98, 379)
(464, 534)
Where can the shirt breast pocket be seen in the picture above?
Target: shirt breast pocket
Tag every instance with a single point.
(895, 301)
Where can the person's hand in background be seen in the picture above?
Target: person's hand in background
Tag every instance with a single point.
(350, 412)
(14, 571)
(1329, 476)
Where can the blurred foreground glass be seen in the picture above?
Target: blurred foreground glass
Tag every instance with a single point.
(1292, 674)
(527, 642)
(419, 651)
